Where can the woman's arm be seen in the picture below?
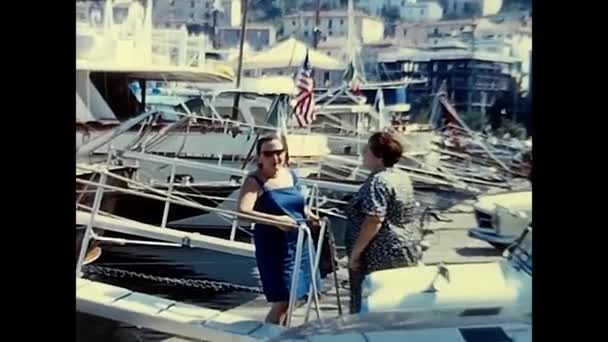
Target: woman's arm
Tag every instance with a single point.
(369, 228)
(374, 206)
(247, 198)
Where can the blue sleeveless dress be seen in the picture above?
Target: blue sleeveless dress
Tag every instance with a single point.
(275, 249)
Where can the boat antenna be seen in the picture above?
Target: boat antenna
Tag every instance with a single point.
(237, 97)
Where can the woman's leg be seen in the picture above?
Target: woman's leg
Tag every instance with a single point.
(355, 280)
(278, 313)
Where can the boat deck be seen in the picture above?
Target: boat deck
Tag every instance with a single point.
(449, 244)
(258, 308)
(168, 316)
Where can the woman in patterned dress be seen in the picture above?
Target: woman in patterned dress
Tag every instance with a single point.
(381, 233)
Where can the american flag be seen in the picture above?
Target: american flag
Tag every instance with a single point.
(304, 102)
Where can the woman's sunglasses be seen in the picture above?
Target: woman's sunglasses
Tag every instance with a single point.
(269, 154)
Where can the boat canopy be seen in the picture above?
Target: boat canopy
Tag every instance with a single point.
(287, 54)
(209, 73)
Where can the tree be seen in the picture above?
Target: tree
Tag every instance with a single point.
(265, 9)
(391, 16)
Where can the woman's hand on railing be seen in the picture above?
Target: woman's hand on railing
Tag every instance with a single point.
(286, 223)
(314, 223)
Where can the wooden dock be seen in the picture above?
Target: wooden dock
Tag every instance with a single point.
(168, 316)
(258, 308)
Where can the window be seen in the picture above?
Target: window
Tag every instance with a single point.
(402, 3)
(329, 53)
(306, 22)
(192, 4)
(192, 15)
(329, 23)
(421, 11)
(172, 3)
(207, 5)
(305, 33)
(293, 23)
(329, 33)
(404, 32)
(341, 22)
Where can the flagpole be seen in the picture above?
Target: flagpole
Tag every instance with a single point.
(214, 41)
(237, 97)
(316, 33)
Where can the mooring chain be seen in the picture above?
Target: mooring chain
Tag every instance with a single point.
(217, 286)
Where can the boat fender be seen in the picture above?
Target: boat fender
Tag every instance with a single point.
(186, 242)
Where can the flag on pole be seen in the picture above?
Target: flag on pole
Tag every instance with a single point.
(379, 109)
(304, 102)
(352, 79)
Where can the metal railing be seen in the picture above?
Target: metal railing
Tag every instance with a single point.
(304, 231)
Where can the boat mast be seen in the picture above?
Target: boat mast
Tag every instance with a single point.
(351, 27)
(349, 42)
(317, 30)
(235, 112)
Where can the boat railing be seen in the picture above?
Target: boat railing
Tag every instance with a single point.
(170, 196)
(304, 231)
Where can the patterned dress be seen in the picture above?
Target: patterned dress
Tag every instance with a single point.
(386, 193)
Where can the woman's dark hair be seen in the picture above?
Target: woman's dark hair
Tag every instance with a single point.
(270, 137)
(385, 145)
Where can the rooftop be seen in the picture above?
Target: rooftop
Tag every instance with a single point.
(330, 14)
(437, 23)
(480, 25)
(419, 55)
(250, 26)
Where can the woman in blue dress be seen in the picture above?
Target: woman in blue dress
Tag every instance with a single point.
(272, 192)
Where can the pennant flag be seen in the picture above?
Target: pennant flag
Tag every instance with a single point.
(379, 109)
(351, 78)
(278, 114)
(304, 102)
